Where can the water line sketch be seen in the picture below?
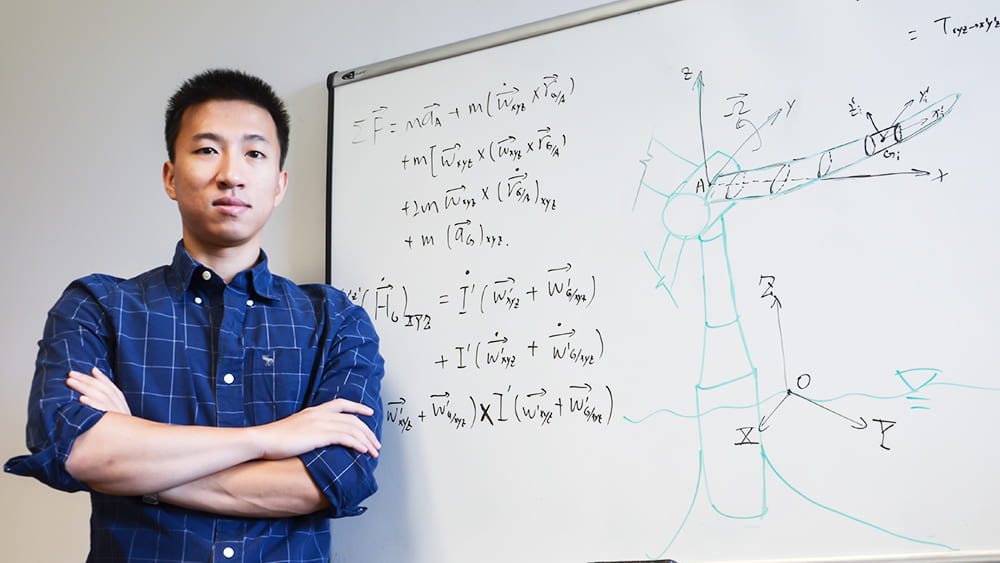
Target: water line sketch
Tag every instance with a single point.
(696, 194)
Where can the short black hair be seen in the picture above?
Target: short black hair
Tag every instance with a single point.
(225, 84)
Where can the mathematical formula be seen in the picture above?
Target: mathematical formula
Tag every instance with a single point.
(538, 407)
(506, 99)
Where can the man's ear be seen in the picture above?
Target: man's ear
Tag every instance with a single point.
(279, 193)
(168, 180)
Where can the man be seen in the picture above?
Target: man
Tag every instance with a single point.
(214, 411)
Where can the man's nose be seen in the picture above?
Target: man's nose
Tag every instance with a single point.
(230, 174)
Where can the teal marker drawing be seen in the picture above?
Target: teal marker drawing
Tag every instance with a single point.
(696, 194)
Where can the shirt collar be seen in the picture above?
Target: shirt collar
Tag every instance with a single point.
(257, 281)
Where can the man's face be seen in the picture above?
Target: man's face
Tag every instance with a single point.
(226, 177)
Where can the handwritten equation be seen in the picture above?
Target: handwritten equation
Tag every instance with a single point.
(467, 175)
(538, 407)
(567, 345)
(436, 160)
(458, 177)
(955, 28)
(517, 188)
(389, 302)
(506, 99)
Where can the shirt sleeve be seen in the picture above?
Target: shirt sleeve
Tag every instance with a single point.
(352, 370)
(75, 338)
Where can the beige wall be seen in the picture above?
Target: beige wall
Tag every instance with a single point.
(82, 91)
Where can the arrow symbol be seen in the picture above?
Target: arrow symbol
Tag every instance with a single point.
(761, 427)
(570, 334)
(912, 172)
(860, 425)
(699, 84)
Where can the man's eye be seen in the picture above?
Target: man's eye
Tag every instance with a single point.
(255, 154)
(205, 150)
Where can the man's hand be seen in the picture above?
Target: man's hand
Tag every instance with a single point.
(334, 423)
(98, 391)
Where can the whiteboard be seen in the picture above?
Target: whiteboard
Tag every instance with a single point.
(705, 280)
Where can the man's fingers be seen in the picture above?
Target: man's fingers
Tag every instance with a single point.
(98, 390)
(344, 405)
(361, 444)
(79, 381)
(360, 436)
(86, 387)
(354, 433)
(98, 374)
(372, 444)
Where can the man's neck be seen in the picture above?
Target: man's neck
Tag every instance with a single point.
(225, 261)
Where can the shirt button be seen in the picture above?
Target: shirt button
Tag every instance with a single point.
(249, 302)
(197, 300)
(228, 552)
(228, 378)
(206, 275)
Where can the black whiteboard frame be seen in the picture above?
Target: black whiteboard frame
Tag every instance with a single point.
(341, 78)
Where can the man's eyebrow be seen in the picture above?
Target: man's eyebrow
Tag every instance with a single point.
(209, 136)
(256, 137)
(206, 137)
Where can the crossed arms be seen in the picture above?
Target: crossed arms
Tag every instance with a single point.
(298, 434)
(250, 471)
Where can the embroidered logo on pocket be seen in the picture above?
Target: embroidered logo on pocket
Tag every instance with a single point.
(268, 360)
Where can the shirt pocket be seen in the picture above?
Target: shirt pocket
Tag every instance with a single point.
(277, 382)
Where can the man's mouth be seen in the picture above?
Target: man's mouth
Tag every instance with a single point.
(231, 205)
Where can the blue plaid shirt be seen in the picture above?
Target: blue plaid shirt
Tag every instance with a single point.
(186, 348)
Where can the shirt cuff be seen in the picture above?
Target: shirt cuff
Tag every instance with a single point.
(344, 476)
(47, 462)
